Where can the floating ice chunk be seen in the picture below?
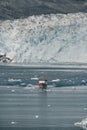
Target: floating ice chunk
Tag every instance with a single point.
(56, 80)
(14, 80)
(37, 116)
(85, 108)
(77, 124)
(23, 84)
(49, 105)
(82, 124)
(34, 78)
(13, 91)
(70, 80)
(13, 122)
(83, 81)
(29, 85)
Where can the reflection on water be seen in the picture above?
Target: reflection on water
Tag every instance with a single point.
(57, 109)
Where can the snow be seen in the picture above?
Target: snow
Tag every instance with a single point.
(50, 38)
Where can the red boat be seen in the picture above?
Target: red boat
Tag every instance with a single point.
(42, 83)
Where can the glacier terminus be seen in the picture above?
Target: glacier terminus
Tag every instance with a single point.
(50, 38)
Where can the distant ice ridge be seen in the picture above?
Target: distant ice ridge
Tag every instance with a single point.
(50, 38)
(82, 124)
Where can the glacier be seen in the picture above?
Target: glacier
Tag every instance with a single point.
(52, 38)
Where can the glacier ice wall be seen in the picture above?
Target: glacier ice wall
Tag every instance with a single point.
(50, 38)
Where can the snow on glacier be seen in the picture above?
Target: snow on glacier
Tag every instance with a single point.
(50, 38)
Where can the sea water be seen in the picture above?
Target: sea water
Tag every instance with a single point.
(24, 106)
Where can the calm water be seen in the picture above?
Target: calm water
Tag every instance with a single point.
(25, 108)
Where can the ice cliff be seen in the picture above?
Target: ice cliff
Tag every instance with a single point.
(50, 38)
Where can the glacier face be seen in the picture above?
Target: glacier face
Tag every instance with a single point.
(50, 38)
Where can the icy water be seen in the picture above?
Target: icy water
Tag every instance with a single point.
(24, 107)
(22, 76)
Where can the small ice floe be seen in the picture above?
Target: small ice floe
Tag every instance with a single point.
(56, 80)
(14, 80)
(70, 80)
(12, 91)
(49, 105)
(83, 82)
(13, 122)
(36, 116)
(23, 84)
(29, 85)
(35, 78)
(85, 109)
(82, 124)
